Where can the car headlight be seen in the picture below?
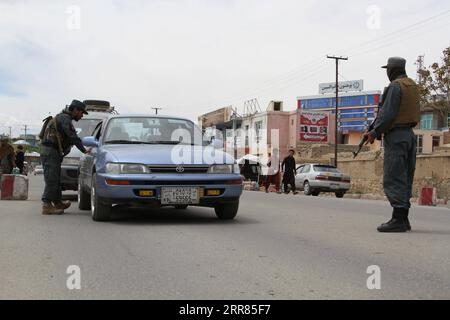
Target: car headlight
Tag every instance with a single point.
(71, 161)
(224, 168)
(126, 168)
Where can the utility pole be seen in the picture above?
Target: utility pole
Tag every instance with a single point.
(233, 116)
(156, 110)
(25, 129)
(10, 133)
(336, 108)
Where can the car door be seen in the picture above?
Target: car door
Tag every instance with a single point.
(298, 176)
(305, 174)
(89, 159)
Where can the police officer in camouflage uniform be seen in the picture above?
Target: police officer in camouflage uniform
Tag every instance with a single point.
(399, 114)
(58, 138)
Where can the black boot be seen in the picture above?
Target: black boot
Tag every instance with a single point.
(408, 225)
(398, 223)
(403, 213)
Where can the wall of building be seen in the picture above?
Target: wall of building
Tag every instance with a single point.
(428, 139)
(279, 121)
(293, 128)
(367, 174)
(215, 117)
(251, 123)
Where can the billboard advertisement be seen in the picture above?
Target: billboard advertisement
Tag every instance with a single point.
(314, 126)
(343, 86)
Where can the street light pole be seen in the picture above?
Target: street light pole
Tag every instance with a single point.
(336, 106)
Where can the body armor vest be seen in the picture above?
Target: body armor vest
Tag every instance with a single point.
(409, 111)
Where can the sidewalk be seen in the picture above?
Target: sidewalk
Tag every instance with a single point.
(440, 202)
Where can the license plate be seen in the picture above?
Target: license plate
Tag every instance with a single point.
(334, 186)
(179, 195)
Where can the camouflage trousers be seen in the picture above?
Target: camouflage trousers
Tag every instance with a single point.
(51, 163)
(399, 166)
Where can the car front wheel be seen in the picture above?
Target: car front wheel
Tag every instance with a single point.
(99, 210)
(227, 211)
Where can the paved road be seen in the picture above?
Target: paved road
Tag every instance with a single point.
(279, 247)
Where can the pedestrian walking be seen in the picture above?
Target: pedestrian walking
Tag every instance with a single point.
(7, 157)
(288, 170)
(246, 170)
(273, 173)
(58, 137)
(400, 113)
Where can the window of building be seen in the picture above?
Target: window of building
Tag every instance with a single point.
(258, 129)
(448, 120)
(426, 121)
(419, 143)
(246, 136)
(436, 142)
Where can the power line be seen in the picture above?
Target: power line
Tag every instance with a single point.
(382, 41)
(401, 30)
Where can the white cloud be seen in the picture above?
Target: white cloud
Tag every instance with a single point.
(193, 56)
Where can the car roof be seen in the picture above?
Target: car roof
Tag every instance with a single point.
(318, 164)
(96, 115)
(144, 115)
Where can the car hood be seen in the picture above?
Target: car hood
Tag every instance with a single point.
(166, 154)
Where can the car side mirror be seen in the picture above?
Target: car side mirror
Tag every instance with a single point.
(90, 141)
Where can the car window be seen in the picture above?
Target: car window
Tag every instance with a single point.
(85, 127)
(152, 130)
(306, 168)
(98, 131)
(325, 168)
(300, 169)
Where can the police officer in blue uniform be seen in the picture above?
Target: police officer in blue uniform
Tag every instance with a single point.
(400, 113)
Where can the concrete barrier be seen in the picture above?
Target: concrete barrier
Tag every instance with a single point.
(14, 187)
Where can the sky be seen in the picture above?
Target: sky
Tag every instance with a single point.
(192, 57)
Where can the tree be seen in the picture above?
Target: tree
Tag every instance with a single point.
(435, 85)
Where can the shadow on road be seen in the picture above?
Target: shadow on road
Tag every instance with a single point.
(167, 215)
(432, 232)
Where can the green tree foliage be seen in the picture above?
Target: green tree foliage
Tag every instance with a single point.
(435, 85)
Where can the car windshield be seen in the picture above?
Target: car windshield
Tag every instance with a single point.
(85, 127)
(152, 130)
(325, 169)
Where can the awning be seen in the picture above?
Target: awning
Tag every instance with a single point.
(21, 142)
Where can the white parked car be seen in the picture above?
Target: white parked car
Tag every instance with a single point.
(38, 170)
(316, 178)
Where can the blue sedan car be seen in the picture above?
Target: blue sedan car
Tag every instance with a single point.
(155, 161)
